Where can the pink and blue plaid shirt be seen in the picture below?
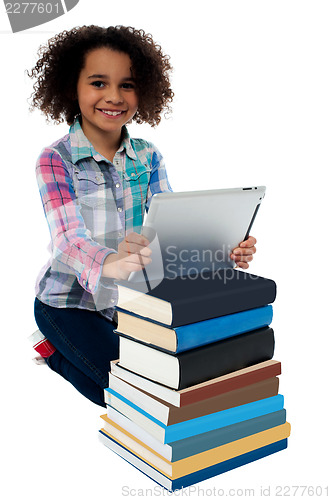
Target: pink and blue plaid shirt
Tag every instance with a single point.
(90, 204)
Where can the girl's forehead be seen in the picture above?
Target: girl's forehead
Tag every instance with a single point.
(108, 63)
(106, 56)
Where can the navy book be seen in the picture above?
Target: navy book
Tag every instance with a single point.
(189, 299)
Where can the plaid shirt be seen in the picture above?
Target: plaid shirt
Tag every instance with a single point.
(90, 204)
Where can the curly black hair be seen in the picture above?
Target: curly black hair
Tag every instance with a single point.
(63, 57)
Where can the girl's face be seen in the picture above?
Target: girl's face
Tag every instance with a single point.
(106, 94)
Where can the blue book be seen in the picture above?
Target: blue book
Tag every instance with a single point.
(183, 338)
(195, 477)
(182, 430)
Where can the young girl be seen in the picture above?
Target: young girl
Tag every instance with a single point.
(95, 184)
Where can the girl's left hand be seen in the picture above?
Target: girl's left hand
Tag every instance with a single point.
(244, 252)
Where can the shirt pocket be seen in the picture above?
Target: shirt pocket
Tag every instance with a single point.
(90, 188)
(98, 207)
(135, 183)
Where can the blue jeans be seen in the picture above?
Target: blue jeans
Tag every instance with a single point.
(85, 344)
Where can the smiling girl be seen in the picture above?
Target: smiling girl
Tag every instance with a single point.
(95, 184)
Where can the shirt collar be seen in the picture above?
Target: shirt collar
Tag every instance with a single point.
(127, 145)
(81, 147)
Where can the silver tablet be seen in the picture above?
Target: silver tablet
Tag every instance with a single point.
(197, 230)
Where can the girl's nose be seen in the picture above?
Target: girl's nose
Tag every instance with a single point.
(113, 95)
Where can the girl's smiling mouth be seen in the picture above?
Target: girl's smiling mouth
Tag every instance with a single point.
(110, 112)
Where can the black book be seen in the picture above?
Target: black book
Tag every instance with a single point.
(192, 298)
(197, 365)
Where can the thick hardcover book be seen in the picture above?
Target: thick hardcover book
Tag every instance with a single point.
(169, 433)
(199, 392)
(183, 338)
(185, 300)
(196, 444)
(205, 459)
(169, 414)
(197, 365)
(195, 477)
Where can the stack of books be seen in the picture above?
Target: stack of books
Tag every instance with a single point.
(195, 390)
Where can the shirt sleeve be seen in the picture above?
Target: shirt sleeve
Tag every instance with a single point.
(158, 178)
(72, 244)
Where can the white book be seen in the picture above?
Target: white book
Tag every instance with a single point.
(158, 390)
(128, 425)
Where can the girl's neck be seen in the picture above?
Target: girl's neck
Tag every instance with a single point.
(106, 144)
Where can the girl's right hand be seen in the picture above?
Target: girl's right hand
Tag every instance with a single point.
(133, 255)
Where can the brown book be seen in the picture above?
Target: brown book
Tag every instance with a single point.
(169, 414)
(213, 387)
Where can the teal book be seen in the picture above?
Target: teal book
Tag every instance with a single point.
(178, 450)
(190, 336)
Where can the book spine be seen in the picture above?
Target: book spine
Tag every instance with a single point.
(196, 308)
(223, 418)
(233, 463)
(213, 330)
(262, 390)
(229, 355)
(230, 384)
(194, 477)
(202, 442)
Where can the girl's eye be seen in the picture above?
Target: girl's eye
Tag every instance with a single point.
(98, 84)
(128, 85)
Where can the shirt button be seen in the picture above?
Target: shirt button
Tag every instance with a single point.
(120, 234)
(117, 185)
(113, 301)
(119, 209)
(84, 282)
(132, 174)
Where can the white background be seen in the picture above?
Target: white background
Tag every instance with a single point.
(253, 105)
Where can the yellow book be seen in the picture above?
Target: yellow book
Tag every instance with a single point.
(200, 461)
